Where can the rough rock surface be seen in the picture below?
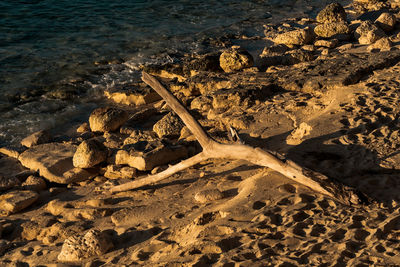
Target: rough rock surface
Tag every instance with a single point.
(208, 195)
(92, 243)
(119, 172)
(383, 44)
(332, 13)
(8, 182)
(386, 21)
(296, 37)
(235, 59)
(89, 153)
(338, 30)
(34, 183)
(169, 125)
(36, 138)
(54, 162)
(368, 33)
(15, 201)
(107, 119)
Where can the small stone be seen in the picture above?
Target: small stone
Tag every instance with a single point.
(383, 44)
(332, 13)
(89, 153)
(296, 37)
(386, 21)
(120, 172)
(368, 33)
(327, 43)
(92, 243)
(208, 195)
(107, 119)
(84, 127)
(30, 230)
(15, 201)
(133, 216)
(8, 182)
(34, 183)
(36, 138)
(338, 30)
(235, 59)
(169, 125)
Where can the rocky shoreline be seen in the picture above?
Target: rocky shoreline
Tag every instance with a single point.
(323, 92)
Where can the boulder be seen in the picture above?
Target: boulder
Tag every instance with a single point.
(54, 163)
(80, 247)
(169, 125)
(338, 30)
(119, 172)
(295, 37)
(386, 21)
(107, 119)
(34, 183)
(36, 138)
(89, 153)
(368, 33)
(235, 59)
(15, 201)
(332, 13)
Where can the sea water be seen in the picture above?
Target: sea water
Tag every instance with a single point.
(58, 56)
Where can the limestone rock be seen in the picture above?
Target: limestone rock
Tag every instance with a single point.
(8, 182)
(383, 44)
(54, 162)
(145, 155)
(84, 127)
(120, 172)
(89, 153)
(332, 13)
(107, 119)
(235, 59)
(30, 230)
(327, 43)
(34, 183)
(338, 30)
(169, 125)
(136, 96)
(92, 243)
(386, 21)
(296, 37)
(208, 195)
(368, 33)
(36, 138)
(15, 201)
(208, 62)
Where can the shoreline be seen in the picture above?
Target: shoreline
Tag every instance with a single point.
(323, 96)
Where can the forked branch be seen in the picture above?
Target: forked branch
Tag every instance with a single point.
(212, 149)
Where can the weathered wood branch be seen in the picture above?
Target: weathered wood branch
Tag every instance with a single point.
(212, 149)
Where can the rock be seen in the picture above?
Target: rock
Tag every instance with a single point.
(327, 43)
(208, 62)
(295, 37)
(274, 50)
(332, 13)
(34, 183)
(107, 119)
(120, 172)
(208, 195)
(36, 138)
(296, 137)
(4, 245)
(368, 33)
(133, 216)
(84, 127)
(54, 163)
(145, 155)
(383, 44)
(8, 182)
(338, 30)
(92, 243)
(386, 21)
(30, 230)
(89, 153)
(10, 152)
(71, 213)
(169, 126)
(132, 95)
(15, 201)
(235, 59)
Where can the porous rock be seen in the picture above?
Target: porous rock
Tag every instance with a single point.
(235, 59)
(36, 138)
(208, 195)
(92, 243)
(169, 125)
(89, 153)
(34, 183)
(15, 201)
(383, 44)
(386, 21)
(119, 172)
(107, 119)
(368, 33)
(54, 163)
(338, 30)
(332, 13)
(295, 37)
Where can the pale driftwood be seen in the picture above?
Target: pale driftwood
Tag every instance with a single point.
(212, 149)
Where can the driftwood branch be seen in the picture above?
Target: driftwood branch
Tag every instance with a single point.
(212, 149)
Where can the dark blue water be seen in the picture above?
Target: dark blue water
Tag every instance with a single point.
(51, 44)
